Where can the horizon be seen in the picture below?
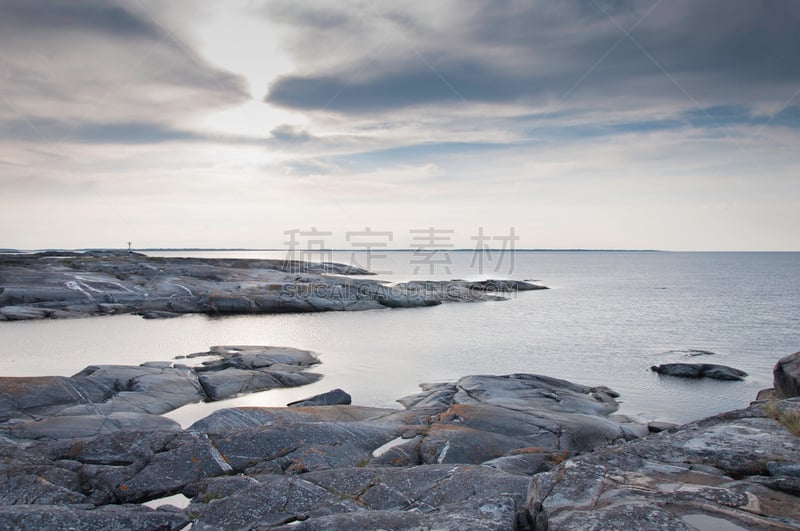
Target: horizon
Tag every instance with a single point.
(586, 124)
(376, 251)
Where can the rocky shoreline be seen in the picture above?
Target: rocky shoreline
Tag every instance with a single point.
(519, 451)
(59, 285)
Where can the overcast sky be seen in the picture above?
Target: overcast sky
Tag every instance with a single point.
(671, 124)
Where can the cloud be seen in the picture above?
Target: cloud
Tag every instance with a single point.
(97, 61)
(78, 16)
(51, 130)
(290, 134)
(373, 60)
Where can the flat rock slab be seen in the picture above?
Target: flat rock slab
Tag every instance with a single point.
(37, 517)
(68, 427)
(738, 470)
(433, 496)
(103, 398)
(68, 284)
(700, 370)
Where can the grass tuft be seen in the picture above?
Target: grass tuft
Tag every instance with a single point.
(789, 417)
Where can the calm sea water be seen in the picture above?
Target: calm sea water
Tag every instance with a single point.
(607, 318)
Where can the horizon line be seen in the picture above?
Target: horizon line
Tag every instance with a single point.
(374, 250)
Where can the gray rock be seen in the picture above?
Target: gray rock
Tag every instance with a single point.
(708, 474)
(331, 398)
(225, 420)
(786, 376)
(465, 291)
(70, 427)
(159, 314)
(494, 419)
(101, 391)
(486, 452)
(41, 486)
(659, 426)
(438, 496)
(487, 514)
(37, 517)
(265, 502)
(699, 370)
(24, 313)
(231, 382)
(244, 369)
(44, 285)
(767, 394)
(30, 397)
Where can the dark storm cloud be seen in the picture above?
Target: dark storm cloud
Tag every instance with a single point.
(518, 52)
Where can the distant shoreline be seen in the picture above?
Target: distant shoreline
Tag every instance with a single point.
(349, 249)
(352, 249)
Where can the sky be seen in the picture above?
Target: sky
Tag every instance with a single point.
(600, 124)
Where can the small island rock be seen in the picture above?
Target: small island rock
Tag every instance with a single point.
(699, 370)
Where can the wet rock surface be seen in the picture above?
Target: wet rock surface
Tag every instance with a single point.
(69, 284)
(700, 370)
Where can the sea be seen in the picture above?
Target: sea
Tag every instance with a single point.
(606, 319)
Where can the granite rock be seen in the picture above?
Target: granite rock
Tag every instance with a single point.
(68, 284)
(786, 376)
(331, 398)
(732, 471)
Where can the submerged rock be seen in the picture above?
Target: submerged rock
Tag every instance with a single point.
(699, 370)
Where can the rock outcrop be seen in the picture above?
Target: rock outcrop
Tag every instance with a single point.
(321, 467)
(107, 398)
(700, 370)
(512, 452)
(786, 376)
(68, 284)
(738, 470)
